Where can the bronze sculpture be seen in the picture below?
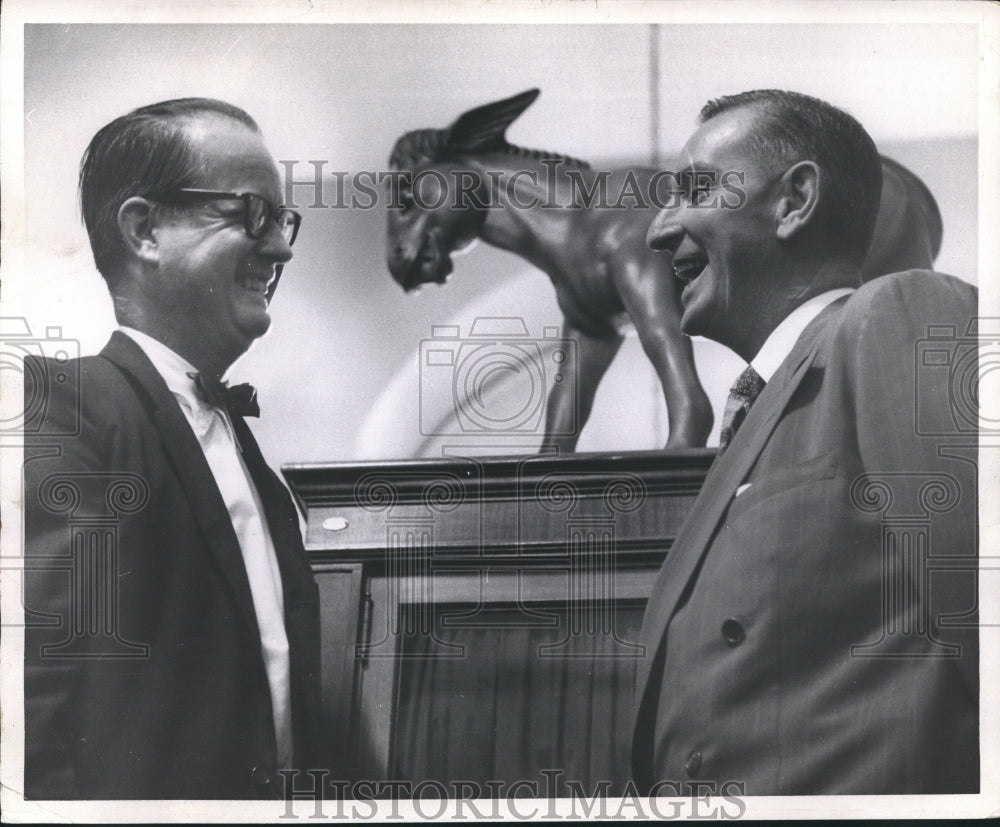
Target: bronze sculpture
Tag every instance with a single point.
(586, 230)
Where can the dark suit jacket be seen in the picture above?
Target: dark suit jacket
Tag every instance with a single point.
(795, 636)
(143, 671)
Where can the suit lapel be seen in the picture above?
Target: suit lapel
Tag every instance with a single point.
(720, 486)
(188, 461)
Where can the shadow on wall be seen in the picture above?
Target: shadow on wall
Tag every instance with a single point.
(479, 386)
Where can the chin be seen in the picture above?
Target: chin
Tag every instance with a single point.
(700, 316)
(691, 324)
(252, 329)
(440, 274)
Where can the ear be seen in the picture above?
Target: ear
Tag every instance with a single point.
(801, 189)
(137, 225)
(483, 128)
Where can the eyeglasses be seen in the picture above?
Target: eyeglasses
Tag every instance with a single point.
(258, 212)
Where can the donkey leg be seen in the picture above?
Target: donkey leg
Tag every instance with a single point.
(650, 295)
(572, 399)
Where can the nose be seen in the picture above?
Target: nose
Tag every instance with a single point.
(666, 232)
(400, 253)
(401, 258)
(274, 246)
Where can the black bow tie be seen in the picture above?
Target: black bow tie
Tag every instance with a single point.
(239, 400)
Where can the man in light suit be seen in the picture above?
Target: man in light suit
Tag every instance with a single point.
(812, 630)
(171, 645)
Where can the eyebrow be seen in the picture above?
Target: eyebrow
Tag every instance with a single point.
(701, 166)
(698, 174)
(240, 193)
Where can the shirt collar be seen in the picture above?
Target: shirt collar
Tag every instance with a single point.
(174, 370)
(173, 367)
(779, 344)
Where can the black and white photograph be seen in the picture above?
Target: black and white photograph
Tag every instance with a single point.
(499, 411)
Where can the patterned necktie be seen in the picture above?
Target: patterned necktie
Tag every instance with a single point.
(741, 397)
(239, 400)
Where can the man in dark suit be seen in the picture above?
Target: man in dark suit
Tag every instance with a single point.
(171, 645)
(812, 630)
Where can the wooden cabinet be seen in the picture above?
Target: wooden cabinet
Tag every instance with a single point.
(481, 615)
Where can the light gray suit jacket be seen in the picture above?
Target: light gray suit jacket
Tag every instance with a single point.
(815, 634)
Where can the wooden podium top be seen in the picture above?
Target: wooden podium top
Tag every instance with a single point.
(497, 507)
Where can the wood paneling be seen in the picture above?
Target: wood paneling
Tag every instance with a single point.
(399, 547)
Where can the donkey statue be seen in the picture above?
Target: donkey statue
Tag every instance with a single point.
(541, 206)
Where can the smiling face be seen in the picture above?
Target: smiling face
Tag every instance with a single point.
(725, 249)
(433, 220)
(207, 297)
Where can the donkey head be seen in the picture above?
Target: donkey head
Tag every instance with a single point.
(438, 206)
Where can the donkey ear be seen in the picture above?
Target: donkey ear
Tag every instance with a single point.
(483, 128)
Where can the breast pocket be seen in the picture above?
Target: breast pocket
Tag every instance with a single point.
(790, 478)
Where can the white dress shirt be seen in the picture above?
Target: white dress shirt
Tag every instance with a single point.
(215, 434)
(779, 344)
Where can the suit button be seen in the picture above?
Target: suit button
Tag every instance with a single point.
(693, 763)
(733, 632)
(260, 776)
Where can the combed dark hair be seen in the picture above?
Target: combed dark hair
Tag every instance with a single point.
(145, 151)
(795, 127)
